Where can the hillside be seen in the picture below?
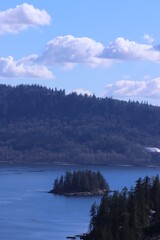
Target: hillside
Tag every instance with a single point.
(44, 125)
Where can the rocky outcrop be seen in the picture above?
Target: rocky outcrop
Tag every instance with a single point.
(86, 194)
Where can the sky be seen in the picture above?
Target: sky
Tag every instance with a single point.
(107, 48)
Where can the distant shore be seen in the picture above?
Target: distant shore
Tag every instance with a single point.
(22, 163)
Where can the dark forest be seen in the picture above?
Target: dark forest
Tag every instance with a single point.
(45, 125)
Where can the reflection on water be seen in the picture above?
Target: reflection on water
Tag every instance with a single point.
(27, 211)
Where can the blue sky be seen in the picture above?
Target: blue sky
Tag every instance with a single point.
(106, 48)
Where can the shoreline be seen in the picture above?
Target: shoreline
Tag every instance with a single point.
(34, 164)
(81, 194)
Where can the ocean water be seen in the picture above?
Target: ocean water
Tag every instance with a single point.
(29, 212)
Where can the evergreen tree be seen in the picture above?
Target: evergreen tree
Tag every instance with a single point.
(80, 181)
(156, 197)
(126, 215)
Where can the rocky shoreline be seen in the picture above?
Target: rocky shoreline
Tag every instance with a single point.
(99, 192)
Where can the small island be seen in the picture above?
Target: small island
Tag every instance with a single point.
(80, 183)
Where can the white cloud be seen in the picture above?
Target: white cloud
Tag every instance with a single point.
(81, 91)
(148, 38)
(69, 50)
(22, 17)
(124, 50)
(9, 68)
(130, 88)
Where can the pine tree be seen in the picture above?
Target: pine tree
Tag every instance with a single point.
(93, 216)
(156, 197)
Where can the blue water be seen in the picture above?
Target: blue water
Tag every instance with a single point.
(28, 212)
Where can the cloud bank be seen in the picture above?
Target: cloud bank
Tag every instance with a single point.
(22, 17)
(69, 51)
(130, 88)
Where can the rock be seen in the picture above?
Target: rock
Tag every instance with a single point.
(82, 194)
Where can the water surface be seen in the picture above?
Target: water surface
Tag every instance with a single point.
(28, 212)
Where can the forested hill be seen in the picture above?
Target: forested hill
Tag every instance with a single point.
(44, 125)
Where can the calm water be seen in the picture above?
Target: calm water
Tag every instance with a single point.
(28, 212)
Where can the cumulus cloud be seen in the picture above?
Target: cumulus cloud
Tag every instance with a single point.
(9, 68)
(81, 91)
(22, 17)
(69, 50)
(123, 49)
(130, 88)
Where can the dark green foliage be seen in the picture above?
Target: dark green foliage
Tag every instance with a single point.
(127, 215)
(80, 181)
(40, 124)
